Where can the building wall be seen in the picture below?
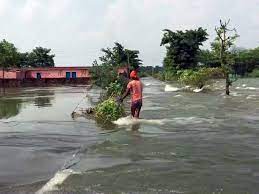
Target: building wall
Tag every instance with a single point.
(10, 74)
(57, 73)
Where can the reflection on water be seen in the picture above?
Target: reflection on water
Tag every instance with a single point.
(43, 99)
(9, 107)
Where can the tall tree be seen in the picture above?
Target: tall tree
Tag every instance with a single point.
(221, 46)
(119, 56)
(8, 57)
(182, 47)
(41, 57)
(23, 60)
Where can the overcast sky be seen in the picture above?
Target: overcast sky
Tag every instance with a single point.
(76, 30)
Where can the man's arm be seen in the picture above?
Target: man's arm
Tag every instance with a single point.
(126, 93)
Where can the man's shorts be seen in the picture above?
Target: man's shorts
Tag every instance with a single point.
(136, 104)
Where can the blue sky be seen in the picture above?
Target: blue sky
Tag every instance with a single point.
(76, 30)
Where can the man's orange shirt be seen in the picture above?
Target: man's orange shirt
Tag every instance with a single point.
(136, 89)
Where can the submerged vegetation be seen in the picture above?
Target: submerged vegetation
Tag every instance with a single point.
(109, 110)
(200, 77)
(105, 75)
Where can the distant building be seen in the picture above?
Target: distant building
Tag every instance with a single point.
(45, 76)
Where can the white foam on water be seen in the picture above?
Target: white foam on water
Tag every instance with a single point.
(125, 121)
(244, 85)
(197, 90)
(144, 97)
(178, 95)
(169, 88)
(251, 96)
(58, 179)
(251, 88)
(236, 94)
(191, 120)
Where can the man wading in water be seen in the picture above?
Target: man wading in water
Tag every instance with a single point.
(135, 88)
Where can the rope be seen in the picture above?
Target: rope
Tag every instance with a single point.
(79, 104)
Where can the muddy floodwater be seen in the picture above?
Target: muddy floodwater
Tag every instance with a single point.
(186, 142)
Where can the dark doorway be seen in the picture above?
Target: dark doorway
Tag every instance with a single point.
(38, 75)
(73, 75)
(67, 75)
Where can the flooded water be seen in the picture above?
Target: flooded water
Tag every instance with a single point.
(186, 142)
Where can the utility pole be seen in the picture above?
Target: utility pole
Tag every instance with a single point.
(3, 84)
(128, 65)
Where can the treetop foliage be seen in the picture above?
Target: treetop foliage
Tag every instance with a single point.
(119, 56)
(182, 47)
(11, 57)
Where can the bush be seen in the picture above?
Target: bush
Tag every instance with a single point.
(103, 75)
(254, 73)
(166, 75)
(159, 76)
(201, 77)
(114, 89)
(109, 110)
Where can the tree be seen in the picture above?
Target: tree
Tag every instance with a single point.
(106, 72)
(182, 47)
(23, 60)
(221, 46)
(8, 57)
(119, 56)
(246, 60)
(207, 58)
(40, 57)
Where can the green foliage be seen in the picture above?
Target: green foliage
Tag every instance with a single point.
(103, 75)
(106, 76)
(201, 77)
(221, 46)
(246, 60)
(254, 73)
(182, 47)
(223, 43)
(114, 89)
(10, 57)
(208, 58)
(119, 56)
(41, 57)
(109, 110)
(170, 75)
(159, 76)
(8, 54)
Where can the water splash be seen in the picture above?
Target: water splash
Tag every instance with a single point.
(125, 121)
(169, 88)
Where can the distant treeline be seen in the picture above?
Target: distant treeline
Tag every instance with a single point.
(145, 71)
(244, 61)
(10, 57)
